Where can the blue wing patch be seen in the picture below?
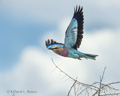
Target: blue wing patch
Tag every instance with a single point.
(74, 32)
(71, 34)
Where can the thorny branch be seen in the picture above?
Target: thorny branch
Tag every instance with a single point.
(95, 89)
(72, 77)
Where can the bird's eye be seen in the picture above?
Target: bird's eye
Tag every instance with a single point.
(56, 48)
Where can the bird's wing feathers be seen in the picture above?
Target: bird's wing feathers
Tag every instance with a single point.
(74, 32)
(71, 34)
(51, 42)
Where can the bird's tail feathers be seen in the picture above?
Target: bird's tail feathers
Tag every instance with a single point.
(90, 56)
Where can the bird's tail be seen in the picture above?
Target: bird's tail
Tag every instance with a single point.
(90, 56)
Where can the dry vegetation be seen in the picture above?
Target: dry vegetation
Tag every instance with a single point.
(96, 89)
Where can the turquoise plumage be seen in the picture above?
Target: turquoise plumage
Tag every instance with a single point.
(73, 38)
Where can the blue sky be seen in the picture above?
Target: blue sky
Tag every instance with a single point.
(26, 24)
(16, 33)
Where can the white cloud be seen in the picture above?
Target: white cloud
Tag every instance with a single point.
(99, 14)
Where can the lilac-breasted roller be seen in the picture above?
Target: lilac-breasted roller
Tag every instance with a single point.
(73, 38)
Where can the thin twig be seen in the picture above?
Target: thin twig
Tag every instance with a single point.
(75, 90)
(71, 87)
(63, 71)
(105, 86)
(101, 79)
(71, 77)
(110, 94)
(86, 88)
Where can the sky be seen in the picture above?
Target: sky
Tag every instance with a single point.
(25, 62)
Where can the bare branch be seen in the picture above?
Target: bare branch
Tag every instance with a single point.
(71, 77)
(101, 79)
(63, 71)
(110, 94)
(105, 86)
(97, 88)
(87, 88)
(71, 87)
(75, 90)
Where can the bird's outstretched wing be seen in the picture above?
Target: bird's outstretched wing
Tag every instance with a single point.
(74, 32)
(52, 42)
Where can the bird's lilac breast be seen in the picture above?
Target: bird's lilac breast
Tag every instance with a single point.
(63, 52)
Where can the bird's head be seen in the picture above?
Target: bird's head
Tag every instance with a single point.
(54, 46)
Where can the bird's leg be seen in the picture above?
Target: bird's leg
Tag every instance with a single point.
(80, 57)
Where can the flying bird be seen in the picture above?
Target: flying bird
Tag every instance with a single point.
(73, 38)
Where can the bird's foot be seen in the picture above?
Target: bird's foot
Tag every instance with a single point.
(80, 57)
